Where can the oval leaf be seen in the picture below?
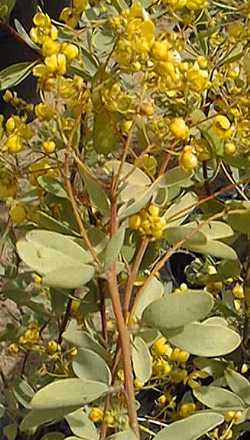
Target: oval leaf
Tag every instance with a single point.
(206, 340)
(142, 360)
(88, 365)
(67, 394)
(238, 384)
(151, 293)
(192, 427)
(176, 310)
(218, 398)
(81, 425)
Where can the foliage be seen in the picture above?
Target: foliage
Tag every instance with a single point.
(139, 148)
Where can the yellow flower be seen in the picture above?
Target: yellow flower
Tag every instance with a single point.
(135, 222)
(186, 409)
(176, 4)
(238, 291)
(41, 20)
(44, 111)
(10, 124)
(56, 63)
(222, 126)
(96, 414)
(161, 368)
(160, 50)
(179, 128)
(188, 160)
(70, 51)
(52, 347)
(49, 147)
(50, 47)
(229, 148)
(14, 143)
(197, 78)
(196, 4)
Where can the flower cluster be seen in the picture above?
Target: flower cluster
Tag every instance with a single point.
(57, 56)
(71, 16)
(18, 133)
(149, 223)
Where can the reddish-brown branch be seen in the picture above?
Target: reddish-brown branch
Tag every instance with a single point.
(133, 274)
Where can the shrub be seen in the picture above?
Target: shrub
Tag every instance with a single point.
(139, 149)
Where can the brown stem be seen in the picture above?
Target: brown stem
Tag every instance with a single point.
(124, 337)
(64, 321)
(125, 348)
(133, 274)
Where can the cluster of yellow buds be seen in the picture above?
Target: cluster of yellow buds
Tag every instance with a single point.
(75, 310)
(149, 223)
(186, 409)
(138, 35)
(57, 56)
(192, 5)
(188, 160)
(12, 98)
(31, 340)
(115, 98)
(179, 356)
(233, 416)
(17, 134)
(71, 16)
(167, 400)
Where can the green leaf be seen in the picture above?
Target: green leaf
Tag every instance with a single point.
(57, 258)
(177, 233)
(44, 220)
(104, 135)
(216, 143)
(20, 29)
(142, 360)
(206, 340)
(139, 201)
(177, 176)
(175, 310)
(151, 293)
(113, 248)
(81, 339)
(88, 365)
(180, 210)
(81, 425)
(96, 193)
(52, 186)
(218, 398)
(23, 393)
(15, 74)
(192, 427)
(214, 230)
(238, 384)
(68, 393)
(240, 221)
(216, 249)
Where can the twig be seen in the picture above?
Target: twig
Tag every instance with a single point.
(64, 321)
(133, 274)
